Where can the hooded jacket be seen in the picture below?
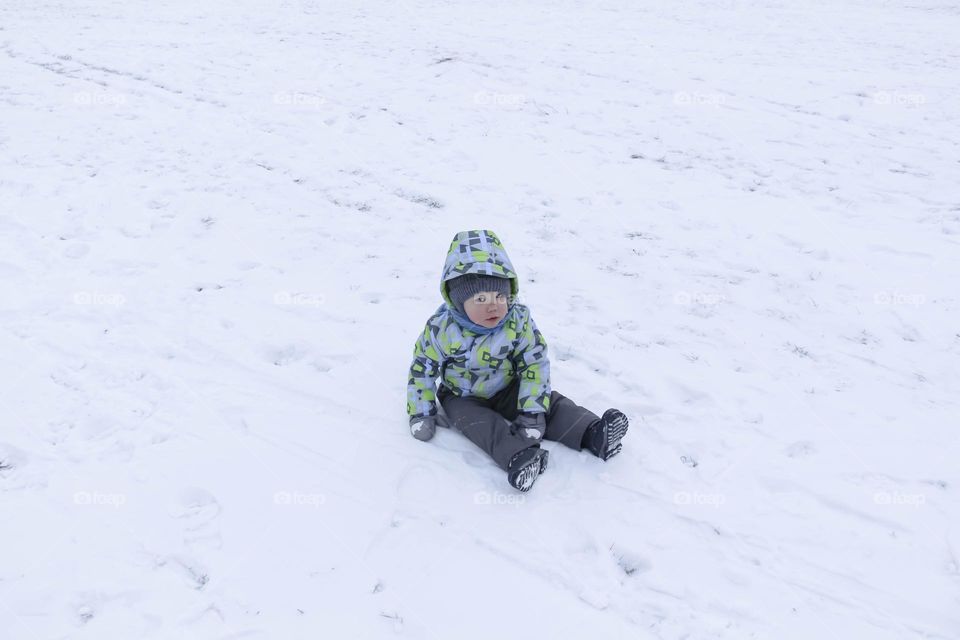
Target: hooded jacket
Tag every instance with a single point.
(471, 360)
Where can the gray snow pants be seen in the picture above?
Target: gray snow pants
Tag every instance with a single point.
(486, 421)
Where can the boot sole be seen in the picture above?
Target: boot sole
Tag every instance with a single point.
(528, 474)
(615, 426)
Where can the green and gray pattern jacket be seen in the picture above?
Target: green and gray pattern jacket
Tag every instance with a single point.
(474, 364)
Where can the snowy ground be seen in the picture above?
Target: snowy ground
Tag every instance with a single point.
(222, 227)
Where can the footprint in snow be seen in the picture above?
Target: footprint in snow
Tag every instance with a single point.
(282, 356)
(195, 575)
(631, 563)
(800, 449)
(10, 458)
(198, 509)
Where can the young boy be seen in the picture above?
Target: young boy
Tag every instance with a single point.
(494, 372)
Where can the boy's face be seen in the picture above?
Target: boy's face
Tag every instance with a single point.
(486, 308)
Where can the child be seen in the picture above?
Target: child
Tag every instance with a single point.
(493, 370)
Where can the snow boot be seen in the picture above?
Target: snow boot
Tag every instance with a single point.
(603, 437)
(525, 466)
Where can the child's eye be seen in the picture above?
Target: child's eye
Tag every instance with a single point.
(501, 298)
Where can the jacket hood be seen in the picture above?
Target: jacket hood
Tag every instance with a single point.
(479, 251)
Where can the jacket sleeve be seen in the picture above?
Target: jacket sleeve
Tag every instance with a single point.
(421, 385)
(533, 368)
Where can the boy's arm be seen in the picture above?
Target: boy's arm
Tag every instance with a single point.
(533, 368)
(421, 385)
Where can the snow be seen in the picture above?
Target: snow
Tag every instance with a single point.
(222, 227)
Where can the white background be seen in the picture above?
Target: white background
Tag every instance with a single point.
(222, 227)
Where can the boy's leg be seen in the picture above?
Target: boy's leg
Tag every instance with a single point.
(484, 427)
(566, 420)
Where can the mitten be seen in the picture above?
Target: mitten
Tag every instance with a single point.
(424, 427)
(531, 426)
